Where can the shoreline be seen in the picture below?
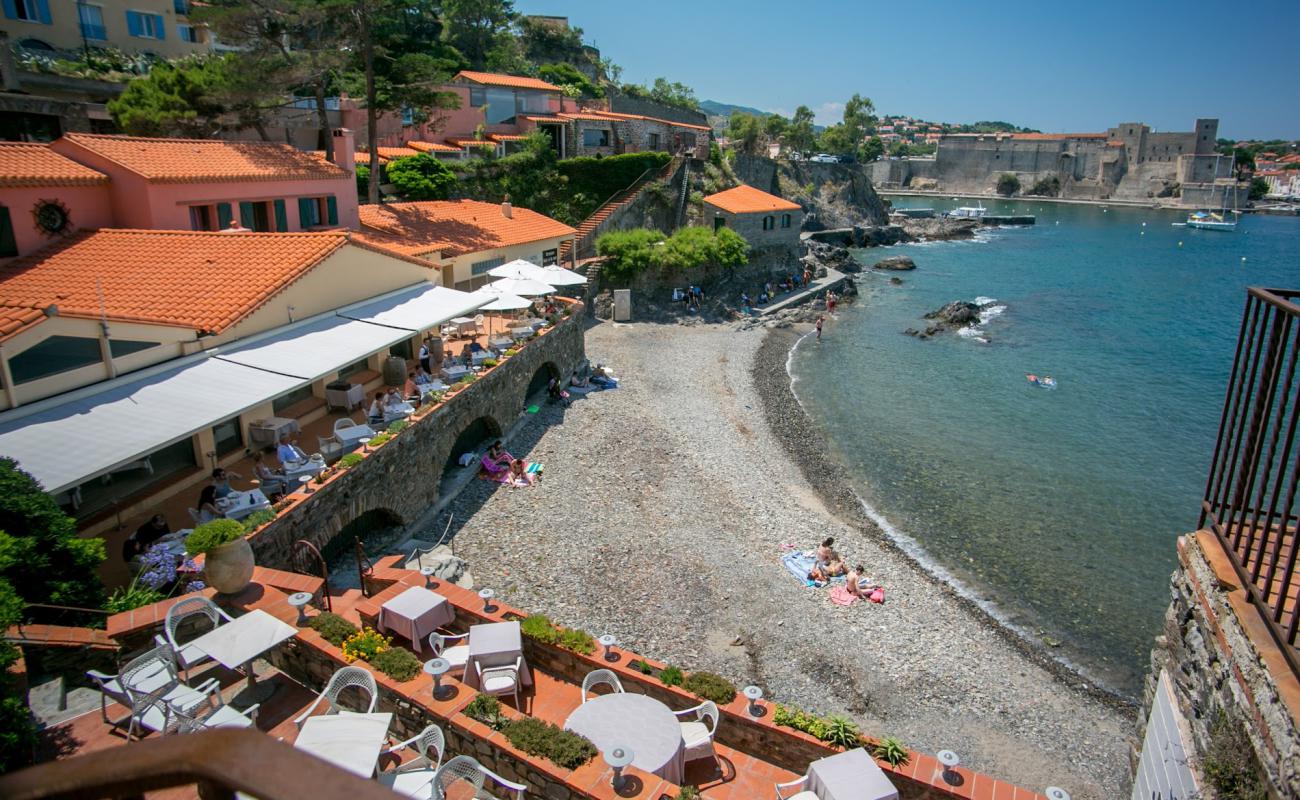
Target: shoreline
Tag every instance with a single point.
(1150, 206)
(804, 442)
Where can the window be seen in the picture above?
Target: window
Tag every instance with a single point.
(92, 22)
(145, 26)
(28, 10)
(8, 244)
(228, 436)
(317, 211)
(653, 141)
(125, 347)
(481, 267)
(255, 216)
(477, 97)
(769, 223)
(181, 6)
(354, 368)
(54, 355)
(188, 33)
(408, 115)
(785, 220)
(290, 398)
(719, 222)
(201, 218)
(595, 137)
(550, 257)
(402, 350)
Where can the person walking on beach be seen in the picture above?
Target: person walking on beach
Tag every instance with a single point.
(830, 302)
(820, 320)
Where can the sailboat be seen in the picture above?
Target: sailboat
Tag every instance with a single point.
(1210, 221)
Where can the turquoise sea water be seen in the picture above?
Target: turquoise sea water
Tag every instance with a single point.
(1059, 508)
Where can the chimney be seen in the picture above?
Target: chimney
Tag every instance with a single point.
(506, 210)
(345, 149)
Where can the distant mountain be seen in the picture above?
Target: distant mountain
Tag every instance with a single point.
(715, 109)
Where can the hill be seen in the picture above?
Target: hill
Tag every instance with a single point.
(716, 109)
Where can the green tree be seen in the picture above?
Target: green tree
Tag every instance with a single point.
(477, 27)
(800, 136)
(566, 76)
(546, 42)
(729, 248)
(837, 139)
(1258, 188)
(421, 177)
(179, 98)
(775, 126)
(628, 252)
(872, 149)
(859, 117)
(1008, 184)
(746, 131)
(664, 91)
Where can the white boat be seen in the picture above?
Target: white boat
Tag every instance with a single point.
(1211, 221)
(967, 212)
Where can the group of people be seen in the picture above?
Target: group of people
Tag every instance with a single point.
(770, 291)
(216, 489)
(390, 402)
(830, 565)
(505, 468)
(692, 296)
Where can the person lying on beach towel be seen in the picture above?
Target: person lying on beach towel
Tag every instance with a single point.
(828, 564)
(523, 474)
(492, 467)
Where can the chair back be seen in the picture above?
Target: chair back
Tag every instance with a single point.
(708, 712)
(437, 642)
(598, 677)
(189, 608)
(148, 664)
(359, 677)
(343, 424)
(430, 744)
(459, 769)
(194, 515)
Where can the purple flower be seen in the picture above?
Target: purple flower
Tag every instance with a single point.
(195, 586)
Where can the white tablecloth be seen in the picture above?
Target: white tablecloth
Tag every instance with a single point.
(495, 644)
(350, 741)
(633, 720)
(295, 470)
(851, 775)
(522, 333)
(416, 613)
(398, 411)
(453, 374)
(238, 505)
(351, 437)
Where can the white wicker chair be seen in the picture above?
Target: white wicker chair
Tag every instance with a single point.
(157, 715)
(187, 655)
(141, 679)
(782, 788)
(698, 728)
(500, 681)
(413, 778)
(344, 423)
(517, 789)
(459, 769)
(598, 677)
(456, 655)
(343, 678)
(151, 671)
(330, 448)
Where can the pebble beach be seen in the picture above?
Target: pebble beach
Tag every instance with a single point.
(661, 518)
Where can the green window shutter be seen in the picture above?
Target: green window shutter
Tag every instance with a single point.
(304, 212)
(332, 209)
(223, 216)
(246, 217)
(281, 217)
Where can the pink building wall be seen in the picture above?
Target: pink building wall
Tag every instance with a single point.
(88, 207)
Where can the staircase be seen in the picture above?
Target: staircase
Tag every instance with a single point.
(587, 231)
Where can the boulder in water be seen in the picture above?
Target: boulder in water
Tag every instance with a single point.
(896, 263)
(957, 314)
(895, 281)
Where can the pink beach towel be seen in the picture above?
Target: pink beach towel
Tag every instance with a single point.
(841, 596)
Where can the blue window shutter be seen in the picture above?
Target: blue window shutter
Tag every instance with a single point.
(133, 25)
(332, 207)
(246, 217)
(11, 9)
(304, 212)
(160, 27)
(43, 11)
(223, 216)
(281, 217)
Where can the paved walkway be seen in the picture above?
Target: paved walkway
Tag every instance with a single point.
(833, 278)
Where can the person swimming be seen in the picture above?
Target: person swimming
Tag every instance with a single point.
(1031, 377)
(1048, 382)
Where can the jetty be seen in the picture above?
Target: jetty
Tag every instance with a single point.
(833, 278)
(1008, 219)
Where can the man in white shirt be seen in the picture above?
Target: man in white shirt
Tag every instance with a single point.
(288, 452)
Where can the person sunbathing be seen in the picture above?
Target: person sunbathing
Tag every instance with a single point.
(519, 474)
(857, 584)
(828, 564)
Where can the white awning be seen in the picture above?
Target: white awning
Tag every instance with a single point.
(416, 309)
(315, 348)
(67, 443)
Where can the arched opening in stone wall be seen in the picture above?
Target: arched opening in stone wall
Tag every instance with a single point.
(340, 551)
(540, 380)
(473, 439)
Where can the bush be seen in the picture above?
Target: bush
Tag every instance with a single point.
(1229, 762)
(486, 709)
(538, 738)
(1046, 187)
(891, 751)
(841, 731)
(467, 380)
(490, 362)
(1008, 184)
(397, 663)
(397, 426)
(599, 178)
(710, 687)
(513, 351)
(539, 627)
(332, 628)
(126, 598)
(258, 518)
(383, 438)
(421, 177)
(351, 460)
(566, 75)
(365, 645)
(640, 666)
(577, 641)
(211, 535)
(632, 252)
(670, 676)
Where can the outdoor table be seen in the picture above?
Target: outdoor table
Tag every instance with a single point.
(350, 741)
(495, 644)
(465, 325)
(522, 333)
(351, 437)
(479, 357)
(536, 323)
(636, 721)
(398, 411)
(851, 775)
(238, 505)
(416, 613)
(295, 470)
(238, 642)
(453, 373)
(266, 432)
(501, 342)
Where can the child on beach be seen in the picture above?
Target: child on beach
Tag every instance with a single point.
(820, 320)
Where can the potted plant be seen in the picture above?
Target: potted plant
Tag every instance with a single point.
(227, 556)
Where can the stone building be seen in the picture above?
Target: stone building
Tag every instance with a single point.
(765, 220)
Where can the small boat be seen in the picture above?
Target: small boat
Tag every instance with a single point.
(967, 212)
(1210, 221)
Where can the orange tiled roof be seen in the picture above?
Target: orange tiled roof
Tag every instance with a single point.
(454, 227)
(513, 81)
(27, 164)
(1289, 159)
(745, 199)
(1058, 136)
(359, 157)
(205, 160)
(507, 137)
(617, 115)
(17, 318)
(395, 152)
(472, 143)
(201, 280)
(432, 147)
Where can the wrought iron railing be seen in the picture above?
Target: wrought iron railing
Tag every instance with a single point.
(1250, 495)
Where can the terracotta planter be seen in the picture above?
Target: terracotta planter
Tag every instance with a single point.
(229, 568)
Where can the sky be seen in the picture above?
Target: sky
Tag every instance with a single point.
(1059, 67)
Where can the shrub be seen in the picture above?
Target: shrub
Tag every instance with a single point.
(126, 598)
(688, 793)
(486, 709)
(397, 426)
(599, 178)
(641, 666)
(397, 663)
(490, 362)
(538, 738)
(710, 687)
(351, 460)
(381, 439)
(1046, 187)
(434, 398)
(1229, 761)
(421, 177)
(670, 676)
(634, 251)
(332, 628)
(577, 641)
(842, 732)
(258, 518)
(539, 627)
(1008, 184)
(467, 380)
(513, 351)
(365, 644)
(891, 751)
(211, 535)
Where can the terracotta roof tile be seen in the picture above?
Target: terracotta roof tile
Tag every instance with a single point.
(206, 160)
(454, 227)
(390, 153)
(472, 143)
(507, 137)
(513, 81)
(745, 199)
(191, 279)
(1050, 136)
(359, 157)
(432, 147)
(17, 318)
(27, 164)
(617, 115)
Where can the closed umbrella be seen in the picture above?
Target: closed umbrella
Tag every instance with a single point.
(524, 287)
(519, 269)
(559, 276)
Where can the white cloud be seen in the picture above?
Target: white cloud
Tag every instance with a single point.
(829, 113)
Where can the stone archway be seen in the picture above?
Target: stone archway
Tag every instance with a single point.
(360, 527)
(474, 437)
(540, 380)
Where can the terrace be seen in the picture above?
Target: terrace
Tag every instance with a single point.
(752, 753)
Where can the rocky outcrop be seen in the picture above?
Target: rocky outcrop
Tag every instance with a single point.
(832, 195)
(897, 263)
(929, 230)
(952, 316)
(821, 255)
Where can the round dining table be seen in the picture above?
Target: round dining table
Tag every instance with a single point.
(641, 723)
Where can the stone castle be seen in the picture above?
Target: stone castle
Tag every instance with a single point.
(1128, 162)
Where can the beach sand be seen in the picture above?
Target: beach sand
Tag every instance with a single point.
(660, 520)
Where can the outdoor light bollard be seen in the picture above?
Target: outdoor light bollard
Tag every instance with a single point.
(618, 758)
(949, 760)
(437, 667)
(607, 641)
(487, 595)
(305, 480)
(365, 444)
(299, 600)
(1056, 793)
(754, 694)
(428, 573)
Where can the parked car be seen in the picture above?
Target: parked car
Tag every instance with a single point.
(824, 158)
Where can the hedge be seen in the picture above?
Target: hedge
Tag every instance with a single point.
(598, 178)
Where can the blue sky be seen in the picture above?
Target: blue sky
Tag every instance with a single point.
(1082, 66)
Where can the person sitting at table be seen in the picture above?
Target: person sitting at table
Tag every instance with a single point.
(422, 377)
(411, 388)
(221, 481)
(393, 400)
(151, 531)
(375, 414)
(272, 482)
(288, 452)
(467, 354)
(208, 510)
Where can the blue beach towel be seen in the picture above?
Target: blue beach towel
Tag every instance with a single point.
(800, 564)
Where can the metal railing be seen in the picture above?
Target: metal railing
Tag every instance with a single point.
(1250, 494)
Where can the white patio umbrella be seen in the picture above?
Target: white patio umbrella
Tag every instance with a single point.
(524, 287)
(559, 276)
(519, 269)
(500, 301)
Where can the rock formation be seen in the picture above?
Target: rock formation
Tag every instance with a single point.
(897, 263)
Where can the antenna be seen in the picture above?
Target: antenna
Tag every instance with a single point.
(103, 311)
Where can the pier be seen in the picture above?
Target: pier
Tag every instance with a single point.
(1008, 219)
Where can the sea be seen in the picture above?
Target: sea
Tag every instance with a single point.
(1055, 509)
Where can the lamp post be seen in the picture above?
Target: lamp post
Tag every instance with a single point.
(487, 595)
(618, 757)
(607, 641)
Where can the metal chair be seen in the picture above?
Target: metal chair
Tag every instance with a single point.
(158, 715)
(698, 735)
(412, 778)
(598, 677)
(343, 678)
(330, 448)
(501, 681)
(459, 769)
(517, 789)
(151, 671)
(806, 794)
(187, 655)
(457, 656)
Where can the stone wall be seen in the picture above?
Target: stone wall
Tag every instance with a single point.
(402, 478)
(1220, 659)
(622, 104)
(784, 230)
